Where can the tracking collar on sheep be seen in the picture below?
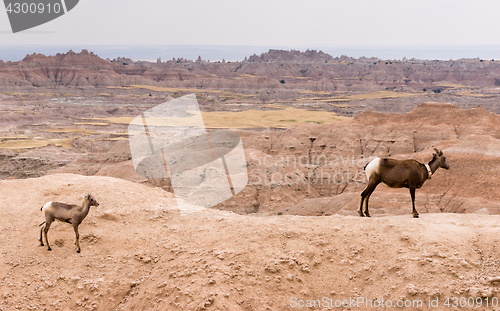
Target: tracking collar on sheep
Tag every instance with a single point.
(428, 171)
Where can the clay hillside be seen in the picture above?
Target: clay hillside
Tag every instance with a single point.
(138, 253)
(309, 122)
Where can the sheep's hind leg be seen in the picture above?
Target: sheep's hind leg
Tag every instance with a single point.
(46, 228)
(361, 206)
(365, 195)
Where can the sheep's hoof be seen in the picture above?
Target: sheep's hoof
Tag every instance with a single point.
(49, 249)
(77, 250)
(41, 244)
(361, 214)
(367, 215)
(415, 216)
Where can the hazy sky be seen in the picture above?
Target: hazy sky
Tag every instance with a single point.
(284, 23)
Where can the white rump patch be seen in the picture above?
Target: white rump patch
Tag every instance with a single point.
(372, 167)
(46, 206)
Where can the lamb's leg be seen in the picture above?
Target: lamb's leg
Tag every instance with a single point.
(42, 226)
(45, 230)
(77, 237)
(412, 193)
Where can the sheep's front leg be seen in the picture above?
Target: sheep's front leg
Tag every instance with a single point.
(414, 211)
(367, 214)
(77, 238)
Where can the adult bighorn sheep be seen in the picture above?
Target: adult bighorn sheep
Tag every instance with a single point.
(409, 174)
(70, 213)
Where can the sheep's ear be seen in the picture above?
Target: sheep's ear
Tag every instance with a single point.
(437, 152)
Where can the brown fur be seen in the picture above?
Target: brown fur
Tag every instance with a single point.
(409, 174)
(69, 213)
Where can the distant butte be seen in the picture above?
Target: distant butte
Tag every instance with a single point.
(279, 67)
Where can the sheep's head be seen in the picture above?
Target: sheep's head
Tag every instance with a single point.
(91, 200)
(441, 159)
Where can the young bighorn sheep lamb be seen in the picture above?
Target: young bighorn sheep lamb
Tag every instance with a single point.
(70, 213)
(409, 174)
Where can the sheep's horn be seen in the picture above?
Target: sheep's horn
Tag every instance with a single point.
(439, 153)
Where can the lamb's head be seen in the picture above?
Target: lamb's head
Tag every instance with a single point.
(91, 200)
(440, 158)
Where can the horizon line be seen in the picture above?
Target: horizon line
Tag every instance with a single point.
(239, 52)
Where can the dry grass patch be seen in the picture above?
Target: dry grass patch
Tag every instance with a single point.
(111, 120)
(285, 117)
(293, 77)
(113, 138)
(5, 138)
(282, 117)
(20, 111)
(454, 86)
(341, 105)
(372, 95)
(474, 94)
(119, 134)
(180, 90)
(316, 92)
(78, 131)
(35, 143)
(91, 123)
(246, 75)
(31, 94)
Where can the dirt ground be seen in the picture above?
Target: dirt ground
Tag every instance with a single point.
(138, 253)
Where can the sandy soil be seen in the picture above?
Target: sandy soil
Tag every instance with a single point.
(138, 253)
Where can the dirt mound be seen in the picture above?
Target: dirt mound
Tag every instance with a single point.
(139, 253)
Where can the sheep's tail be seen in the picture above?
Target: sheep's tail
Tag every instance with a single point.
(42, 223)
(41, 208)
(364, 168)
